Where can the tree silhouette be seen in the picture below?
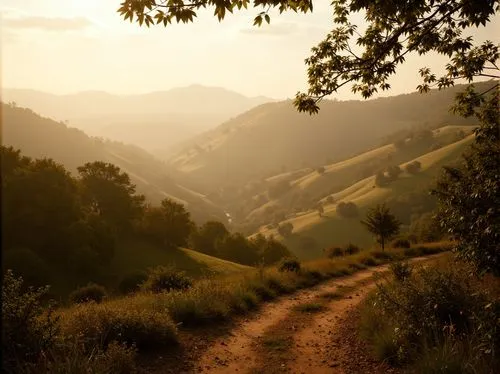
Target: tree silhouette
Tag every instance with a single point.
(381, 223)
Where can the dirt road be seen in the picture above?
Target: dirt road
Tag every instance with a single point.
(301, 333)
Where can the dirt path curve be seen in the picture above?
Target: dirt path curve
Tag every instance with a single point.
(242, 351)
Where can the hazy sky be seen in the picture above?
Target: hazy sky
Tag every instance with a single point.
(65, 46)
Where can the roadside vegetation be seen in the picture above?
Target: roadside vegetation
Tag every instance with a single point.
(91, 334)
(439, 319)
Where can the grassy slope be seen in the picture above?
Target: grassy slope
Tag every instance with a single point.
(348, 171)
(333, 230)
(132, 255)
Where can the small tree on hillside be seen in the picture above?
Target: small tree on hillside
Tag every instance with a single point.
(285, 230)
(413, 167)
(321, 170)
(381, 223)
(393, 172)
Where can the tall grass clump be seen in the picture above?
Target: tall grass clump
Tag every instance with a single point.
(28, 332)
(123, 321)
(435, 320)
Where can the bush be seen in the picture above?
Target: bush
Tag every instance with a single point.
(286, 229)
(351, 249)
(401, 270)
(165, 279)
(289, 264)
(413, 167)
(441, 316)
(333, 252)
(132, 282)
(100, 324)
(88, 293)
(25, 334)
(368, 260)
(401, 243)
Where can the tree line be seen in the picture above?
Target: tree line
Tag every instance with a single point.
(57, 223)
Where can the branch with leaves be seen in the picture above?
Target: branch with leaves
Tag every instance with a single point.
(394, 29)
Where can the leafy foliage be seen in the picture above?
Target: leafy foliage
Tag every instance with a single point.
(381, 223)
(165, 279)
(90, 293)
(110, 194)
(26, 334)
(206, 238)
(347, 210)
(168, 225)
(413, 167)
(441, 309)
(285, 229)
(132, 282)
(394, 29)
(289, 264)
(469, 195)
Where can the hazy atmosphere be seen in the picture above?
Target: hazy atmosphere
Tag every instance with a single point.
(67, 46)
(236, 186)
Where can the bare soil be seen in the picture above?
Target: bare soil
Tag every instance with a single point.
(286, 336)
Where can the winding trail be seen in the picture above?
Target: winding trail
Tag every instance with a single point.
(281, 339)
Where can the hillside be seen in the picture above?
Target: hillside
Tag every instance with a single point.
(308, 186)
(274, 138)
(312, 233)
(42, 137)
(154, 121)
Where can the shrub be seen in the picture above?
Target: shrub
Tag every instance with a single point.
(25, 334)
(413, 167)
(368, 260)
(401, 243)
(334, 252)
(163, 278)
(100, 324)
(286, 229)
(441, 315)
(320, 170)
(289, 264)
(401, 270)
(393, 172)
(351, 249)
(88, 293)
(132, 282)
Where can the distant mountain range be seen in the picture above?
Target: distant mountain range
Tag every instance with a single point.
(154, 121)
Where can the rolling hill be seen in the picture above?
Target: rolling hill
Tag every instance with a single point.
(41, 137)
(338, 176)
(331, 229)
(154, 121)
(274, 138)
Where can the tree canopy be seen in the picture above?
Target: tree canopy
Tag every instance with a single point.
(364, 59)
(469, 195)
(381, 223)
